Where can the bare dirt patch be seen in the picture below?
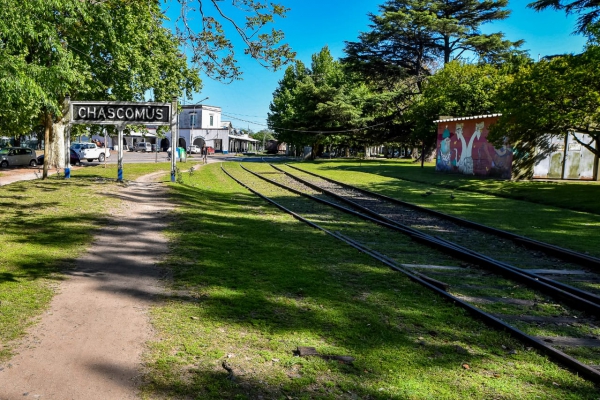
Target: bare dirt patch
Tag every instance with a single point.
(88, 344)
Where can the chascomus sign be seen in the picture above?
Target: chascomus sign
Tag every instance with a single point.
(112, 113)
(120, 114)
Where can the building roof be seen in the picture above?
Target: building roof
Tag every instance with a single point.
(200, 107)
(452, 119)
(244, 138)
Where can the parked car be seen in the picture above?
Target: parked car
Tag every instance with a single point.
(77, 146)
(74, 160)
(193, 149)
(13, 156)
(142, 146)
(90, 151)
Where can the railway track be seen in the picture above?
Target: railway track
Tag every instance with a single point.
(574, 272)
(402, 217)
(541, 315)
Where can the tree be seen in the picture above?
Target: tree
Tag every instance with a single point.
(412, 39)
(551, 97)
(592, 16)
(114, 49)
(263, 136)
(410, 36)
(458, 89)
(213, 50)
(311, 105)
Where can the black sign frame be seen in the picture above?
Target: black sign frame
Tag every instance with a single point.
(120, 112)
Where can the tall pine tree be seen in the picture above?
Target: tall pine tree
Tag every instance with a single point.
(411, 37)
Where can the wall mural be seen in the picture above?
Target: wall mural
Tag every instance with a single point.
(467, 151)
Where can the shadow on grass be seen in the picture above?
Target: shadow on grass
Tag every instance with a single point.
(274, 278)
(571, 195)
(7, 277)
(540, 221)
(286, 286)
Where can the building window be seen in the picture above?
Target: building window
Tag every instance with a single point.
(193, 120)
(211, 120)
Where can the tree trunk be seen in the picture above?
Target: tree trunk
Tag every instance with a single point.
(57, 145)
(58, 138)
(423, 155)
(447, 49)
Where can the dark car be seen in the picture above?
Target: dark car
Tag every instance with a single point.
(74, 158)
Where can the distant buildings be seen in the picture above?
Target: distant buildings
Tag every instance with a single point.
(198, 125)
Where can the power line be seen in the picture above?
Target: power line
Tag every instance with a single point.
(243, 120)
(304, 131)
(244, 115)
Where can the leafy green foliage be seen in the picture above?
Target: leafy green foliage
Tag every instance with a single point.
(409, 37)
(551, 97)
(115, 50)
(311, 104)
(458, 89)
(263, 135)
(213, 50)
(408, 42)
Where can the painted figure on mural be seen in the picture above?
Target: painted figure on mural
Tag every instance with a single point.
(465, 163)
(501, 162)
(444, 158)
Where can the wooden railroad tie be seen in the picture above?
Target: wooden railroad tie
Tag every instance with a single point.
(304, 351)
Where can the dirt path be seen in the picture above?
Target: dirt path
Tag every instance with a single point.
(88, 344)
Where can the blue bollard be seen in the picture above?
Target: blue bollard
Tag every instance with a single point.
(173, 176)
(120, 175)
(67, 173)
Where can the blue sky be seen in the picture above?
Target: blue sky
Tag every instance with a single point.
(310, 25)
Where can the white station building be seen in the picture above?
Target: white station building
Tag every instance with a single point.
(202, 124)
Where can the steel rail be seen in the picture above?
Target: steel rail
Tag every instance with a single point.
(576, 366)
(454, 249)
(481, 257)
(561, 252)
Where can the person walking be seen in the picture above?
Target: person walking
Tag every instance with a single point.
(203, 153)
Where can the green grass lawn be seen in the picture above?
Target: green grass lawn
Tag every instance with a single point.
(573, 195)
(550, 223)
(45, 226)
(251, 284)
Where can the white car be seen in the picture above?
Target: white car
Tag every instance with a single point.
(90, 152)
(193, 149)
(143, 147)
